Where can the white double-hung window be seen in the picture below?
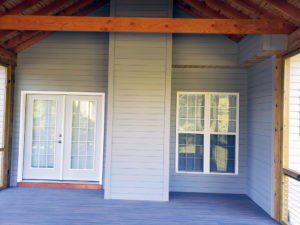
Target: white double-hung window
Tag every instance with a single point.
(207, 132)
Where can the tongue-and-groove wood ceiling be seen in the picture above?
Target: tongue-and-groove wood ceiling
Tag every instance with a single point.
(16, 41)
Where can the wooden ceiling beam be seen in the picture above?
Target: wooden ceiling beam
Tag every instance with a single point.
(226, 9)
(203, 9)
(81, 10)
(287, 9)
(253, 8)
(143, 25)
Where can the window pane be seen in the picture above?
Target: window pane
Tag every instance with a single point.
(222, 153)
(223, 113)
(191, 112)
(190, 152)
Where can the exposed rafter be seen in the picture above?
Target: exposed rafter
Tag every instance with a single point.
(82, 9)
(287, 9)
(226, 9)
(21, 7)
(7, 57)
(202, 8)
(51, 7)
(254, 9)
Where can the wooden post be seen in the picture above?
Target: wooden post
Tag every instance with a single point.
(285, 141)
(8, 123)
(278, 137)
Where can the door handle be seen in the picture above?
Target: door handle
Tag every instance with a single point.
(59, 141)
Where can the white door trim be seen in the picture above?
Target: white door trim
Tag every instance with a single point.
(23, 121)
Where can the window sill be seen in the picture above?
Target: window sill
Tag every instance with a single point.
(213, 174)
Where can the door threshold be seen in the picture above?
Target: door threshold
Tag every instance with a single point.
(58, 184)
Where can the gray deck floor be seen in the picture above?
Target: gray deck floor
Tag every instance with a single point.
(31, 206)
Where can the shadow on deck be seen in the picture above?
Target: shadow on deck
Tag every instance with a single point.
(32, 206)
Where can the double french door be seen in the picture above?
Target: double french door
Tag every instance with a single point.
(63, 137)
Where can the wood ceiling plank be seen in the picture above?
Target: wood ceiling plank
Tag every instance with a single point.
(226, 9)
(21, 7)
(254, 9)
(287, 9)
(203, 9)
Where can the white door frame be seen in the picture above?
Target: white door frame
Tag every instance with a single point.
(23, 122)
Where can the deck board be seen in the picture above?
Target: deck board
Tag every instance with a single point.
(44, 206)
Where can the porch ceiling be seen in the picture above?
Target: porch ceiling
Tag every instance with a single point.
(14, 41)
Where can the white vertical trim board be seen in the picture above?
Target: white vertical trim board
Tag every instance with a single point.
(110, 108)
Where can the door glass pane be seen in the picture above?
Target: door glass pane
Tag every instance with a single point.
(222, 153)
(83, 134)
(43, 134)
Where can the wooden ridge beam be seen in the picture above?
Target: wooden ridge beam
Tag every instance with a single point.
(143, 25)
(81, 10)
(287, 9)
(226, 9)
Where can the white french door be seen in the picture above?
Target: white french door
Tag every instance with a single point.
(63, 137)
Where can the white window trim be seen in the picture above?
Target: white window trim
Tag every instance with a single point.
(207, 133)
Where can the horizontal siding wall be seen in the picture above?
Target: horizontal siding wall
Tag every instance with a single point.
(212, 50)
(74, 62)
(139, 82)
(209, 50)
(260, 134)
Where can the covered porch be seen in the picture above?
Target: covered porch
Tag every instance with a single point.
(72, 206)
(178, 114)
